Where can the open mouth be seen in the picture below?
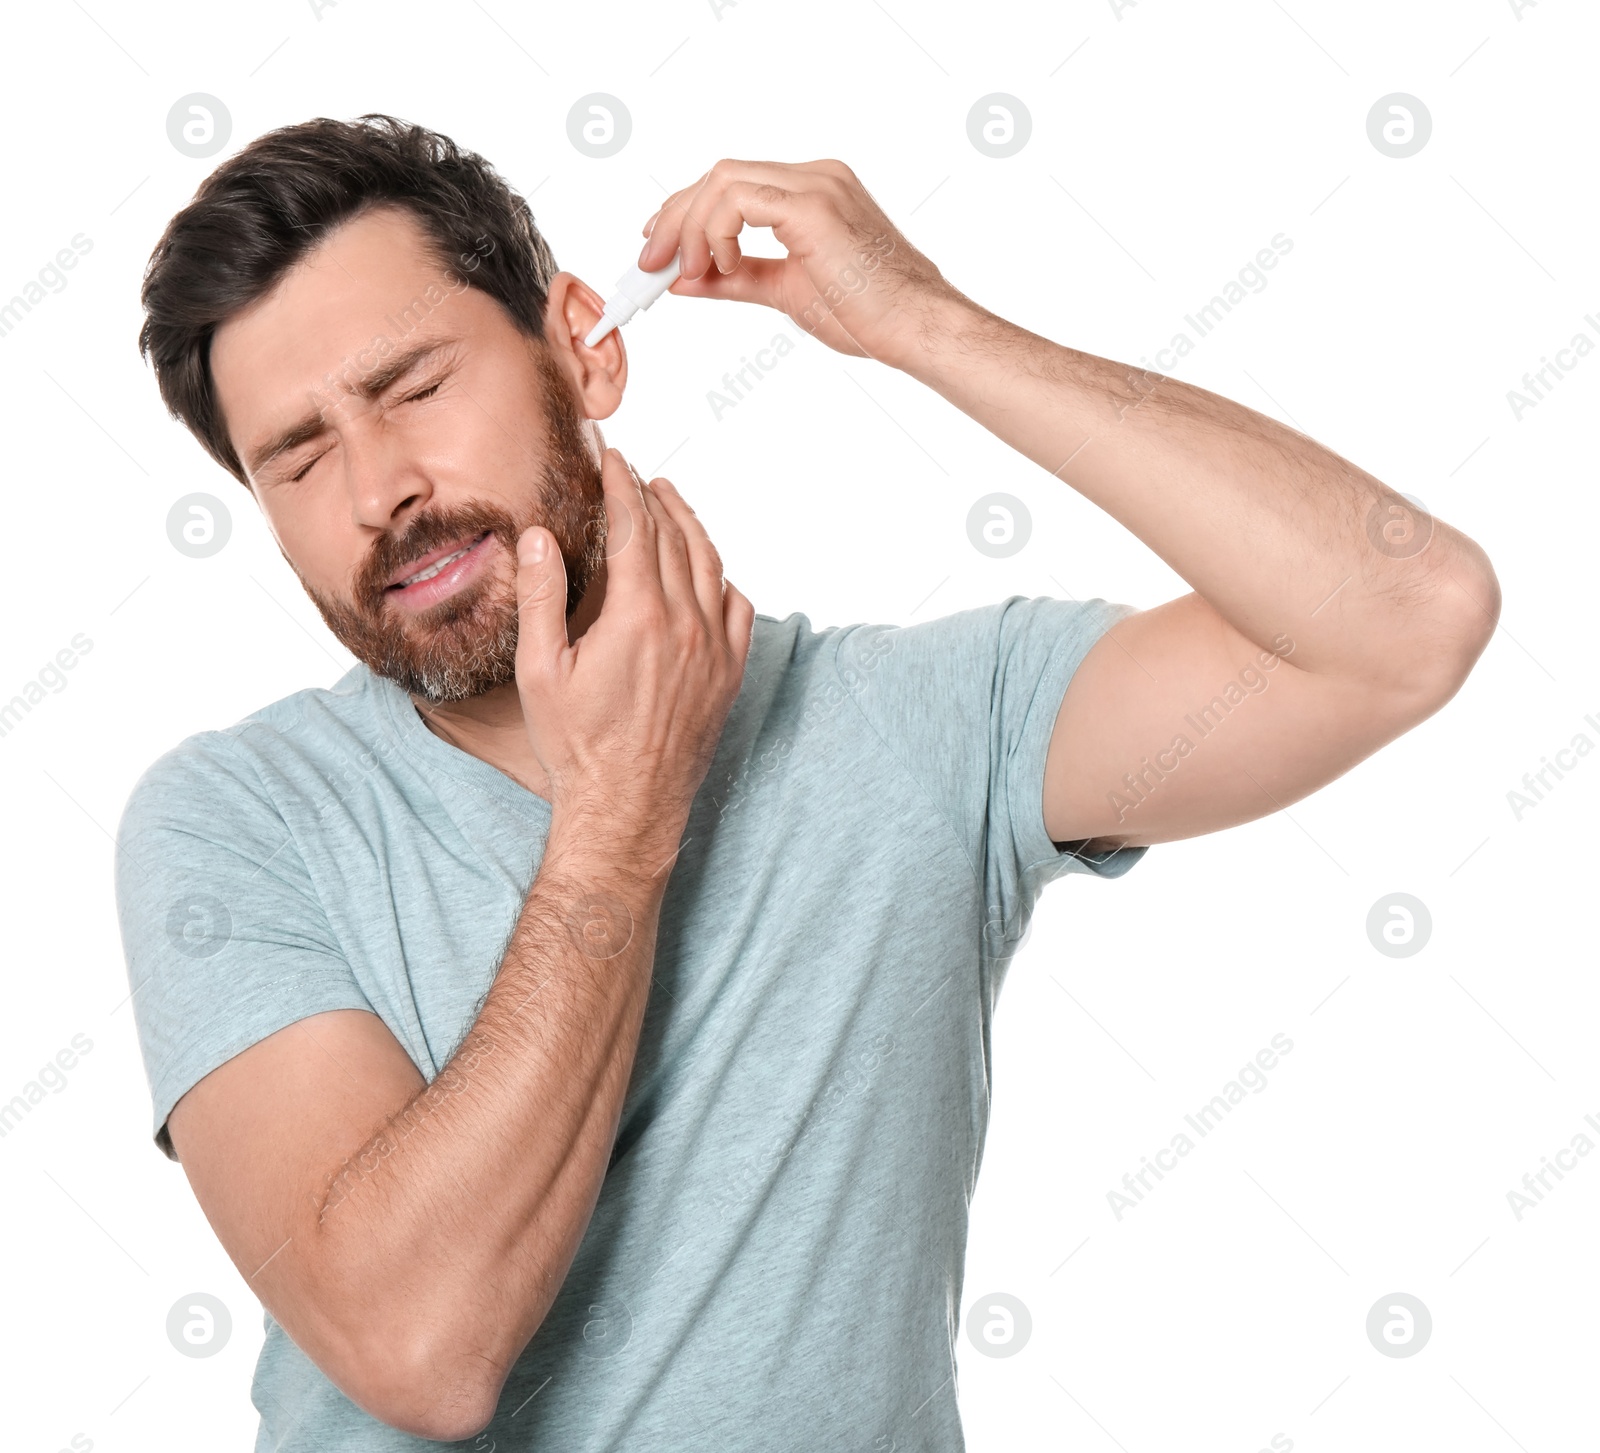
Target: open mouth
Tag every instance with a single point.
(438, 575)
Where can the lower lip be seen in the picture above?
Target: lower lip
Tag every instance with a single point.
(452, 578)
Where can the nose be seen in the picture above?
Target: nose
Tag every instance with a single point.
(386, 485)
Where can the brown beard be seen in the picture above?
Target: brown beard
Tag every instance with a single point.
(467, 645)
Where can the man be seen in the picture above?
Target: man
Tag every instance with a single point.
(575, 1022)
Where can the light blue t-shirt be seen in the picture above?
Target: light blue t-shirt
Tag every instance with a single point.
(776, 1257)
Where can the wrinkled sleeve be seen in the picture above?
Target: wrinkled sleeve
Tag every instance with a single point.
(967, 703)
(223, 935)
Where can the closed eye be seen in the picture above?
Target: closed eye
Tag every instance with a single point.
(305, 469)
(421, 393)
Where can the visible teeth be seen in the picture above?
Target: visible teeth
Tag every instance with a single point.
(436, 567)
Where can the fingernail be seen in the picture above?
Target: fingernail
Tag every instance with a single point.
(533, 548)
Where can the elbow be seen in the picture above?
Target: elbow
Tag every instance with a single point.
(419, 1356)
(446, 1427)
(416, 1388)
(1472, 615)
(428, 1407)
(1450, 633)
(426, 1358)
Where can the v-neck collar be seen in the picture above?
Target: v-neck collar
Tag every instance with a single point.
(399, 713)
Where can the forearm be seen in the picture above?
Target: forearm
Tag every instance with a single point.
(1276, 532)
(458, 1220)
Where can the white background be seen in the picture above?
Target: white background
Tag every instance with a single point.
(1169, 144)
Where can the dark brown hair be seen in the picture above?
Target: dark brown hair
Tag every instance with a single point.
(263, 209)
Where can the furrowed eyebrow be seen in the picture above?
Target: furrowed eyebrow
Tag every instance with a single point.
(291, 438)
(371, 383)
(377, 379)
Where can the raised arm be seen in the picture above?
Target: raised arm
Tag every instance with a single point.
(411, 1238)
(1328, 616)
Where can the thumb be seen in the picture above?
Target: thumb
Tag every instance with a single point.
(754, 280)
(541, 603)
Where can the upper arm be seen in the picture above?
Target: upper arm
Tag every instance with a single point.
(1177, 724)
(267, 1064)
(259, 1138)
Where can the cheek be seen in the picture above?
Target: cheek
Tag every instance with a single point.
(318, 538)
(451, 440)
(504, 468)
(440, 453)
(490, 447)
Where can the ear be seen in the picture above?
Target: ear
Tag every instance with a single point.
(599, 374)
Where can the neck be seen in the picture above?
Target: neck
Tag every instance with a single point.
(491, 726)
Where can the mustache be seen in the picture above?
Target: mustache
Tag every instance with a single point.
(428, 531)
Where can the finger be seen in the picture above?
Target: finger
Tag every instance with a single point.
(694, 202)
(717, 213)
(662, 243)
(541, 605)
(829, 166)
(825, 175)
(672, 555)
(738, 620)
(755, 280)
(705, 563)
(751, 203)
(630, 530)
(725, 251)
(722, 223)
(745, 201)
(707, 238)
(694, 248)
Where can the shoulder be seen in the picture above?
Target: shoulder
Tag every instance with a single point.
(792, 642)
(979, 637)
(211, 773)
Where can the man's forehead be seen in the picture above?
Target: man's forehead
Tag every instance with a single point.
(368, 269)
(372, 289)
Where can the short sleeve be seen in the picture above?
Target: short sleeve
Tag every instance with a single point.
(968, 703)
(224, 937)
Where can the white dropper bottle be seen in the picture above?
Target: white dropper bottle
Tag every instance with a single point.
(636, 290)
